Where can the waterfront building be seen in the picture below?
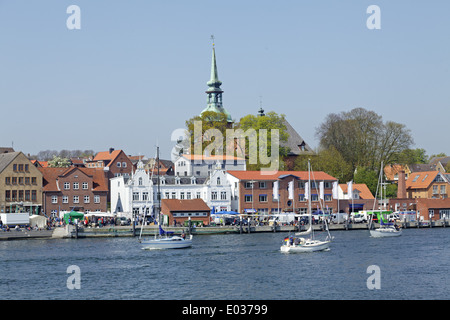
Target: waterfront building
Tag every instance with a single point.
(137, 194)
(20, 184)
(360, 198)
(253, 191)
(426, 193)
(179, 212)
(74, 188)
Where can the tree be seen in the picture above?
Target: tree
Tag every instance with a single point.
(59, 162)
(363, 139)
(411, 156)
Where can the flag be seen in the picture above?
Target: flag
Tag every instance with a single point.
(321, 191)
(291, 190)
(335, 190)
(275, 191)
(350, 189)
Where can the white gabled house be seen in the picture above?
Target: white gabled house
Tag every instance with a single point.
(137, 194)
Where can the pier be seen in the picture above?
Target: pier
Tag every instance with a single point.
(72, 232)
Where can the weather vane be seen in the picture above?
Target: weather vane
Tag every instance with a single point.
(212, 39)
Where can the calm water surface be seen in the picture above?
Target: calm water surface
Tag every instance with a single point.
(229, 267)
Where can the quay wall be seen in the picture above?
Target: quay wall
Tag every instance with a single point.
(126, 231)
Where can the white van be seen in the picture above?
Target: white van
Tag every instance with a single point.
(282, 218)
(339, 217)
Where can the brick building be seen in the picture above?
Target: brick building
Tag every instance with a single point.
(73, 188)
(252, 191)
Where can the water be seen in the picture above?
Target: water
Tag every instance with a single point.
(229, 267)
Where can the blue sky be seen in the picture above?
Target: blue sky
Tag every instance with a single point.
(136, 70)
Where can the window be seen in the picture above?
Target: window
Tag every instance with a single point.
(119, 164)
(314, 197)
(27, 195)
(218, 181)
(327, 197)
(15, 167)
(20, 195)
(76, 186)
(27, 168)
(33, 195)
(248, 185)
(263, 198)
(144, 196)
(124, 164)
(54, 199)
(85, 185)
(248, 198)
(198, 195)
(327, 185)
(174, 195)
(301, 197)
(33, 181)
(262, 185)
(214, 195)
(435, 189)
(7, 195)
(135, 196)
(443, 189)
(65, 199)
(416, 177)
(223, 195)
(76, 199)
(96, 199)
(14, 195)
(86, 199)
(166, 195)
(20, 180)
(20, 167)
(182, 195)
(66, 185)
(140, 181)
(14, 180)
(188, 195)
(27, 180)
(7, 180)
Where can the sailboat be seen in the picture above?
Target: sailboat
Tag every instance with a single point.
(164, 239)
(386, 229)
(306, 244)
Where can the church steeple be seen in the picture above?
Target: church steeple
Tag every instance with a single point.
(214, 92)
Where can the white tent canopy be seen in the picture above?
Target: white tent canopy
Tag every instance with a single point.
(36, 220)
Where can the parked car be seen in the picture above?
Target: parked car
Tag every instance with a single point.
(122, 221)
(358, 218)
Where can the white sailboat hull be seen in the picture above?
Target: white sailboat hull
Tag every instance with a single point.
(174, 242)
(385, 232)
(307, 246)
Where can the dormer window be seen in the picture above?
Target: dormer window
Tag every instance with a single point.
(218, 181)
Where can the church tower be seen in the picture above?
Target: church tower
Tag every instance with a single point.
(214, 92)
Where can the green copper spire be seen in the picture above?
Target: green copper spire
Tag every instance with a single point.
(214, 92)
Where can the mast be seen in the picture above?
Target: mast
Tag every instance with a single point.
(158, 192)
(309, 199)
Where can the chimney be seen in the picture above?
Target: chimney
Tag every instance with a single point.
(401, 191)
(111, 150)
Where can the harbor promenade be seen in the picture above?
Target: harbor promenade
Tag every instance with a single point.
(71, 232)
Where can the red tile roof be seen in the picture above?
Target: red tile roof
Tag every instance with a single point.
(275, 175)
(421, 180)
(364, 192)
(185, 205)
(50, 175)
